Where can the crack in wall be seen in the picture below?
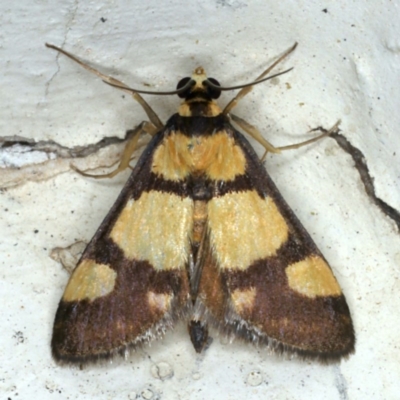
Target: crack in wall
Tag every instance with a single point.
(368, 181)
(58, 158)
(71, 19)
(50, 146)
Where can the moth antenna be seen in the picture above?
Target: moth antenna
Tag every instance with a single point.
(243, 92)
(212, 85)
(115, 82)
(190, 83)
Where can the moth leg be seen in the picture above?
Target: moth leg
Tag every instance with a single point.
(248, 89)
(255, 134)
(325, 132)
(109, 79)
(131, 146)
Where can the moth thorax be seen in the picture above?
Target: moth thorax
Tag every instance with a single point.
(199, 107)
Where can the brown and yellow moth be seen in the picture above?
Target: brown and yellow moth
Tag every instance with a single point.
(201, 233)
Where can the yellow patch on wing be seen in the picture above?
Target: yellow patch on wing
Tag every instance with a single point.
(243, 300)
(244, 228)
(312, 277)
(216, 155)
(156, 228)
(169, 160)
(159, 301)
(90, 281)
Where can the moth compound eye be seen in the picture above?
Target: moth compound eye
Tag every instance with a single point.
(182, 83)
(213, 92)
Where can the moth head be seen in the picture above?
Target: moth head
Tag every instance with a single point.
(198, 86)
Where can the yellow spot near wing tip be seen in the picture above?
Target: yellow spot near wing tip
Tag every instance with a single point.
(243, 300)
(90, 281)
(158, 302)
(312, 277)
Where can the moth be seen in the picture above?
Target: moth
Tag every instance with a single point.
(201, 233)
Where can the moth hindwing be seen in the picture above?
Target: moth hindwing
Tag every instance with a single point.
(201, 233)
